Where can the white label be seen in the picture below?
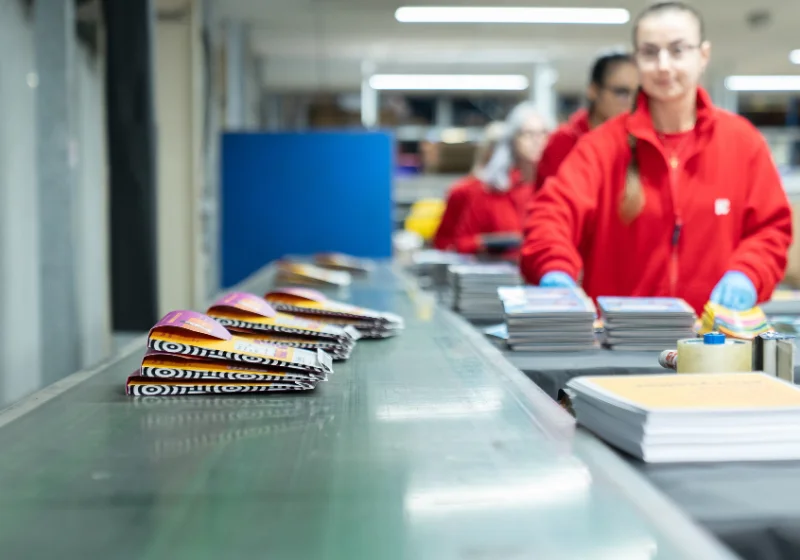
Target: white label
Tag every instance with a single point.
(245, 347)
(722, 207)
(325, 360)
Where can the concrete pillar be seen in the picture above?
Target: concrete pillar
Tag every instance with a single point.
(235, 95)
(369, 97)
(54, 33)
(20, 293)
(543, 91)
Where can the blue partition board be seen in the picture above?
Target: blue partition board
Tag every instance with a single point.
(303, 193)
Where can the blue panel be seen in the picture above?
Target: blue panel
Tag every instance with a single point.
(303, 193)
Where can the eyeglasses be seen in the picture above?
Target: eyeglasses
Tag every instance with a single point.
(650, 54)
(621, 92)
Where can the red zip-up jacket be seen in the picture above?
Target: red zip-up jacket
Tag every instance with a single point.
(721, 208)
(457, 200)
(492, 211)
(560, 144)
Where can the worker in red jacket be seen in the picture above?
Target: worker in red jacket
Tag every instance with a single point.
(493, 218)
(459, 194)
(612, 88)
(678, 198)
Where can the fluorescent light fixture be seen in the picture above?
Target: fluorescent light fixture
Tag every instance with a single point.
(453, 14)
(428, 82)
(763, 83)
(794, 56)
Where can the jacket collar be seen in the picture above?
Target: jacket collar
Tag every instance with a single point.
(579, 122)
(640, 122)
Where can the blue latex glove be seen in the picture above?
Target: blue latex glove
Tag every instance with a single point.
(735, 291)
(557, 279)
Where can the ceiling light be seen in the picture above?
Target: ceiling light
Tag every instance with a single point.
(433, 14)
(429, 82)
(763, 83)
(794, 56)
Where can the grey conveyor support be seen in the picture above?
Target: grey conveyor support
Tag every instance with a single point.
(429, 445)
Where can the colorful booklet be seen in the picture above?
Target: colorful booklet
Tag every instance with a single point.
(247, 313)
(300, 273)
(745, 325)
(202, 339)
(159, 365)
(148, 387)
(344, 263)
(312, 304)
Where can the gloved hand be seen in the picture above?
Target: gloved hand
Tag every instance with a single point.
(557, 279)
(735, 291)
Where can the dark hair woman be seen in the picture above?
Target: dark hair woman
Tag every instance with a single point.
(612, 89)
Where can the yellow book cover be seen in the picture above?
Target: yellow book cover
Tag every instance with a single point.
(699, 392)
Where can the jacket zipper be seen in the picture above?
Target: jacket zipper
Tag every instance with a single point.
(674, 268)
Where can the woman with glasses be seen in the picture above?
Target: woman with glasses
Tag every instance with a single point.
(492, 219)
(612, 87)
(459, 194)
(677, 198)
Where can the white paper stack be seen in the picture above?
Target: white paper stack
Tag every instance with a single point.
(647, 324)
(672, 418)
(548, 319)
(474, 289)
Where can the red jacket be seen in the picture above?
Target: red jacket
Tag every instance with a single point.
(560, 144)
(722, 209)
(457, 200)
(492, 211)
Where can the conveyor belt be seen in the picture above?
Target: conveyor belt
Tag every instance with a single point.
(429, 445)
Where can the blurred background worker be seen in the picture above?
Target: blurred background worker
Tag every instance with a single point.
(493, 217)
(459, 194)
(677, 198)
(612, 88)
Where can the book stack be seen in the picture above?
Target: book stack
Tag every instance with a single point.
(474, 289)
(312, 305)
(645, 324)
(548, 319)
(251, 316)
(311, 275)
(344, 263)
(668, 418)
(192, 354)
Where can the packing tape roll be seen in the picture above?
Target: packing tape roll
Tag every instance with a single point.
(696, 357)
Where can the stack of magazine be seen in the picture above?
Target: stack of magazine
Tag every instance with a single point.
(548, 319)
(663, 418)
(646, 324)
(474, 289)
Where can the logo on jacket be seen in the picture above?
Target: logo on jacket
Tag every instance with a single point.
(722, 207)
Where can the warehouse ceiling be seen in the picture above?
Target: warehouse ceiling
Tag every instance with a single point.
(320, 44)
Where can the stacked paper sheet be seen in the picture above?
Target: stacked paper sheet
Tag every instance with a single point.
(192, 354)
(647, 324)
(311, 304)
(253, 317)
(474, 289)
(548, 319)
(311, 275)
(715, 417)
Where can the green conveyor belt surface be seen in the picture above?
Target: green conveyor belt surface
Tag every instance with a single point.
(425, 446)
